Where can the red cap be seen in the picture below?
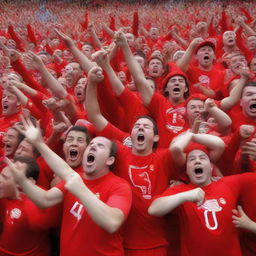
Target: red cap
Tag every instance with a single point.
(205, 43)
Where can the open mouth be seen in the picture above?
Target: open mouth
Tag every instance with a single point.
(90, 158)
(253, 107)
(140, 138)
(198, 170)
(5, 107)
(206, 57)
(230, 40)
(73, 154)
(176, 89)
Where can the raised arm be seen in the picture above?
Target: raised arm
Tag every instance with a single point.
(235, 94)
(135, 69)
(85, 63)
(184, 61)
(95, 76)
(221, 118)
(33, 134)
(39, 196)
(102, 59)
(177, 147)
(51, 82)
(213, 143)
(164, 205)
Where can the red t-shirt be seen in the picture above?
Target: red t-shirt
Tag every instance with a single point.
(80, 235)
(149, 176)
(170, 119)
(18, 235)
(208, 229)
(133, 108)
(213, 79)
(238, 118)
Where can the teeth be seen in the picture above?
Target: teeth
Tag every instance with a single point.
(176, 89)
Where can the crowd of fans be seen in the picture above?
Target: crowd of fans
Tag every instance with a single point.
(128, 129)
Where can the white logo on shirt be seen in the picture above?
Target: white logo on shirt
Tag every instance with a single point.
(139, 178)
(210, 208)
(204, 80)
(76, 210)
(15, 213)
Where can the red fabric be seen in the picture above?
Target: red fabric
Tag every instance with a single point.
(170, 119)
(213, 79)
(221, 232)
(80, 230)
(132, 111)
(148, 175)
(238, 118)
(18, 236)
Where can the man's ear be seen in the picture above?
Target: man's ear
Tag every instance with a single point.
(110, 160)
(156, 138)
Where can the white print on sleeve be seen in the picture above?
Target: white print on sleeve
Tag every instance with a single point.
(210, 208)
(140, 178)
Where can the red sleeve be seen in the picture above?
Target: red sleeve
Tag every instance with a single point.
(31, 34)
(226, 167)
(248, 54)
(33, 109)
(132, 111)
(28, 79)
(121, 197)
(15, 38)
(155, 104)
(113, 133)
(109, 105)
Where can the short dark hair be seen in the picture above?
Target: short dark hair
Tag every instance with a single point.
(155, 129)
(82, 129)
(250, 84)
(32, 170)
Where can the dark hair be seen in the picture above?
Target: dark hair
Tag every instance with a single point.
(250, 84)
(82, 129)
(113, 151)
(155, 129)
(186, 93)
(32, 170)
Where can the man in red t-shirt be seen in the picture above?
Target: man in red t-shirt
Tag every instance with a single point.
(204, 208)
(204, 77)
(95, 204)
(146, 169)
(20, 236)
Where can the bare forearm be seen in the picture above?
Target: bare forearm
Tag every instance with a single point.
(165, 205)
(221, 118)
(108, 218)
(116, 84)
(53, 84)
(56, 163)
(235, 95)
(93, 109)
(85, 63)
